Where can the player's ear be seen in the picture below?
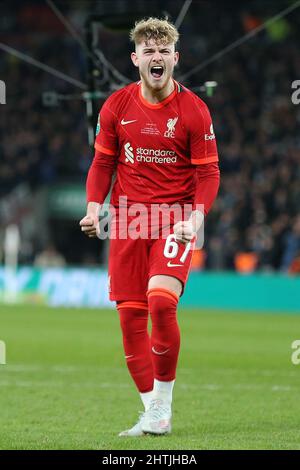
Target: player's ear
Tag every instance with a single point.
(134, 59)
(176, 57)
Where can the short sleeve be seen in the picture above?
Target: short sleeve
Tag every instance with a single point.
(106, 138)
(203, 147)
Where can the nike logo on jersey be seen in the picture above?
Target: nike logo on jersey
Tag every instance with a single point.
(170, 265)
(159, 353)
(127, 357)
(127, 122)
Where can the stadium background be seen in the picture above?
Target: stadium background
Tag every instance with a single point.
(239, 312)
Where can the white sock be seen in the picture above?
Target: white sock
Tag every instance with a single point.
(146, 398)
(163, 390)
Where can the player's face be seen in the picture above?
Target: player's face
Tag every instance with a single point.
(155, 62)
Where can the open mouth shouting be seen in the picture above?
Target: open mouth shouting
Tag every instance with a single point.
(156, 71)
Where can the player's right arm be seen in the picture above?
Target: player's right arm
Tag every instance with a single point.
(101, 171)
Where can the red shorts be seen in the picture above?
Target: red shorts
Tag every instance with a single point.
(133, 262)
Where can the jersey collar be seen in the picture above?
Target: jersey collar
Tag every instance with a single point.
(163, 103)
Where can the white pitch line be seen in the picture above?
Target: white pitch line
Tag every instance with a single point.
(55, 368)
(60, 368)
(232, 371)
(57, 384)
(113, 385)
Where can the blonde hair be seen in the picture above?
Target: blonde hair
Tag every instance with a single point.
(162, 31)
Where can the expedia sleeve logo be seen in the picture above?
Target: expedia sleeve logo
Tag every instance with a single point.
(98, 125)
(210, 136)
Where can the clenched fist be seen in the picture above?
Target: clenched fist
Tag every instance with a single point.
(90, 226)
(90, 223)
(186, 231)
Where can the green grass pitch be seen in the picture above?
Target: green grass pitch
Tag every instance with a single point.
(66, 386)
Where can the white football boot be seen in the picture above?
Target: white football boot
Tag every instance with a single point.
(136, 430)
(157, 419)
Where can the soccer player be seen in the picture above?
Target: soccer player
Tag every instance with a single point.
(157, 136)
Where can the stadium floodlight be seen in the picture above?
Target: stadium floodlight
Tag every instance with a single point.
(210, 86)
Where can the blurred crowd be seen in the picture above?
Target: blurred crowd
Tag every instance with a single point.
(258, 209)
(255, 222)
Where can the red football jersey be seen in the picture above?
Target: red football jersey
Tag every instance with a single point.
(156, 145)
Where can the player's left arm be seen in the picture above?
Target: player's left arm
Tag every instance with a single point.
(204, 155)
(207, 186)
